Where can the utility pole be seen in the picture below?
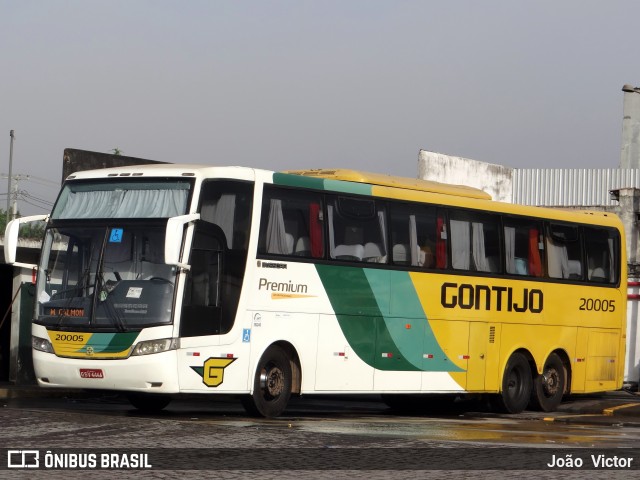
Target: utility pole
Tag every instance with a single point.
(11, 134)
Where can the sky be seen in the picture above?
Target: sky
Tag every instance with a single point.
(292, 84)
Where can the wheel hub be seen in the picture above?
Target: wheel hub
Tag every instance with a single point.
(272, 381)
(550, 382)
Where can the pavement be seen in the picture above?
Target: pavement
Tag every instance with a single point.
(621, 407)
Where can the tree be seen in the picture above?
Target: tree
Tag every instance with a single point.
(32, 230)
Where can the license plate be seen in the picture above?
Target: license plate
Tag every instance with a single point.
(91, 373)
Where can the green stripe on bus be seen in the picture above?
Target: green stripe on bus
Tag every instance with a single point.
(298, 181)
(347, 187)
(378, 335)
(406, 323)
(110, 342)
(321, 184)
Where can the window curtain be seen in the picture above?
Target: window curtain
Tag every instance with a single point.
(414, 249)
(276, 234)
(612, 263)
(558, 259)
(383, 231)
(535, 261)
(479, 253)
(98, 204)
(441, 244)
(315, 230)
(510, 248)
(332, 241)
(460, 237)
(222, 213)
(125, 204)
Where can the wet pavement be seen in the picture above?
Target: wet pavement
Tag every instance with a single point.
(321, 436)
(621, 408)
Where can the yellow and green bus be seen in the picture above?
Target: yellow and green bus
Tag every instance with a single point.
(161, 280)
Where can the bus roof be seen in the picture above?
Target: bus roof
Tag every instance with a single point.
(392, 181)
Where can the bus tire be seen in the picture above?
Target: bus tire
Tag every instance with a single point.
(549, 387)
(148, 402)
(271, 385)
(516, 385)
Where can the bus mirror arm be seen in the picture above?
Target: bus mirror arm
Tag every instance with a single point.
(173, 239)
(11, 233)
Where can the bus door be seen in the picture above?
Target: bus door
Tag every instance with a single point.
(201, 313)
(478, 355)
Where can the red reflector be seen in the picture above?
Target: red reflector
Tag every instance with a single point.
(408, 326)
(229, 355)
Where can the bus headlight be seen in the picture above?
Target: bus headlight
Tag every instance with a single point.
(41, 344)
(156, 346)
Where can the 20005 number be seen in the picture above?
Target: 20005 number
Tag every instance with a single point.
(597, 305)
(69, 338)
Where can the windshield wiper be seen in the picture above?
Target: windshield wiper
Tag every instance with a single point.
(81, 287)
(104, 296)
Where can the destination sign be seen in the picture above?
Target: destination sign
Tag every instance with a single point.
(64, 312)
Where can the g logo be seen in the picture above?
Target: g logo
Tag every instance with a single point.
(213, 374)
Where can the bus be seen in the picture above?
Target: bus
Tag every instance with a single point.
(160, 280)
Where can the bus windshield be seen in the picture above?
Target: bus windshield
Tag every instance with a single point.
(106, 277)
(133, 198)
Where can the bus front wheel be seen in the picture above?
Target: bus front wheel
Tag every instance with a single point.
(271, 385)
(549, 387)
(516, 385)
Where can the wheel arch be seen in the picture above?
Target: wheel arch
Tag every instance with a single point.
(294, 360)
(530, 359)
(564, 357)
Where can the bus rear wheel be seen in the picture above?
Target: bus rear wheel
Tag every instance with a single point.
(271, 385)
(549, 387)
(516, 385)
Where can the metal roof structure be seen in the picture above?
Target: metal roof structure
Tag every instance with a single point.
(559, 187)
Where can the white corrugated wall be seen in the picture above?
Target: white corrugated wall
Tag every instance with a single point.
(564, 187)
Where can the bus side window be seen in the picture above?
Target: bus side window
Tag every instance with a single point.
(357, 230)
(414, 236)
(475, 244)
(564, 252)
(227, 204)
(523, 248)
(291, 224)
(601, 246)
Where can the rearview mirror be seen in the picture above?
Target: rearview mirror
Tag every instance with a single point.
(173, 238)
(11, 233)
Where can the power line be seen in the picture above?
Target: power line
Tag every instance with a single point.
(28, 195)
(32, 178)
